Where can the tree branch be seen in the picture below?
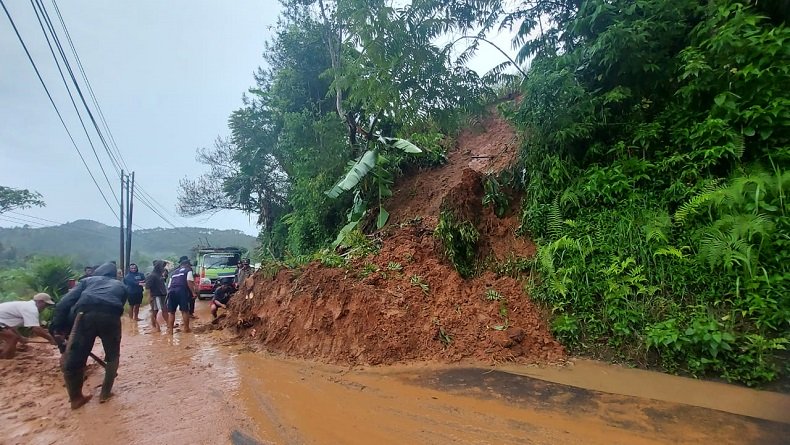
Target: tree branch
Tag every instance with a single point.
(495, 46)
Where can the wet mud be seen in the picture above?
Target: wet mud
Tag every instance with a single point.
(168, 390)
(208, 388)
(406, 302)
(645, 418)
(296, 402)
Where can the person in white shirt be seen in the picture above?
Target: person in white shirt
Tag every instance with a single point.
(14, 314)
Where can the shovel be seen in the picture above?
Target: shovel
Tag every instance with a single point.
(92, 355)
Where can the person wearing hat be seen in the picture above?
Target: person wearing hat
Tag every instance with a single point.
(244, 271)
(179, 294)
(14, 314)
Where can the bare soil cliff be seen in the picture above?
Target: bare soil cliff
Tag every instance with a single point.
(407, 302)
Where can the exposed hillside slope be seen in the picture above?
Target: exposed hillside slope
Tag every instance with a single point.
(90, 242)
(490, 147)
(407, 302)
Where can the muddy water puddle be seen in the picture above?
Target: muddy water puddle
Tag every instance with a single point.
(209, 388)
(616, 379)
(295, 402)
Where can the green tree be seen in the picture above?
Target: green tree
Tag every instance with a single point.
(337, 84)
(13, 199)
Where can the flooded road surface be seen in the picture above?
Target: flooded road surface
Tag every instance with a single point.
(298, 402)
(208, 388)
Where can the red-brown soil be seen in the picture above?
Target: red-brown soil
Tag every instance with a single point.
(207, 388)
(407, 302)
(490, 147)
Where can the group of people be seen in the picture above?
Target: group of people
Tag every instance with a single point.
(94, 307)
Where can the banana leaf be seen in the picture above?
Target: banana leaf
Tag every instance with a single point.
(401, 144)
(360, 169)
(344, 232)
(383, 217)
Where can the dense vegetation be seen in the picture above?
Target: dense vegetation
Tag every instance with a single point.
(37, 274)
(654, 167)
(344, 81)
(656, 180)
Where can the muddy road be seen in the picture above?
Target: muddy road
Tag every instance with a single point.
(207, 388)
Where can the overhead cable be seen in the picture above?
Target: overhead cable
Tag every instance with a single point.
(95, 100)
(38, 5)
(68, 90)
(52, 101)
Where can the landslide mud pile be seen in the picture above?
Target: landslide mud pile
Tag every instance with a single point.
(407, 302)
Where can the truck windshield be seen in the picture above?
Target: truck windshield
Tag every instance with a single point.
(220, 261)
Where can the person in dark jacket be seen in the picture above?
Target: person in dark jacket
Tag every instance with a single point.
(133, 281)
(157, 291)
(91, 309)
(222, 296)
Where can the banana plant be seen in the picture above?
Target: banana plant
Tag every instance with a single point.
(375, 163)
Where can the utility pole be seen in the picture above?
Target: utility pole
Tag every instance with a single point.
(121, 214)
(129, 206)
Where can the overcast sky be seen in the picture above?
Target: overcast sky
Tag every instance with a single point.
(167, 75)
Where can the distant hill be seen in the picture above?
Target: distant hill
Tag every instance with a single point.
(91, 242)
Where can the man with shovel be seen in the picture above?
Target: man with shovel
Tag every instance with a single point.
(91, 309)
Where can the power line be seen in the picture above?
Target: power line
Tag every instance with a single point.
(148, 205)
(52, 101)
(161, 207)
(68, 90)
(21, 215)
(11, 219)
(36, 223)
(35, 217)
(39, 7)
(90, 88)
(144, 200)
(67, 63)
(145, 197)
(30, 221)
(116, 158)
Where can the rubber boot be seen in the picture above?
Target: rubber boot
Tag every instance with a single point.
(110, 372)
(74, 381)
